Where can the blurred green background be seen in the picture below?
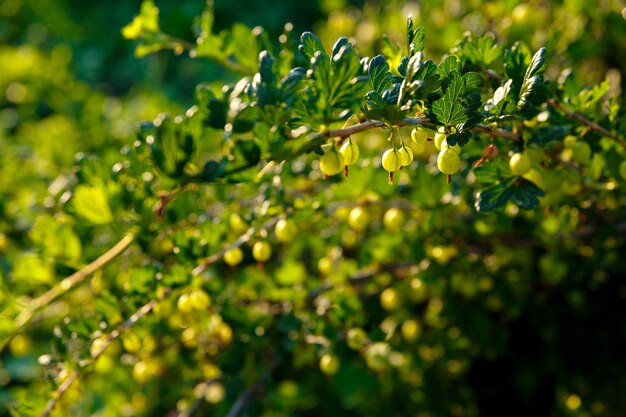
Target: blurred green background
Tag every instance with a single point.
(70, 84)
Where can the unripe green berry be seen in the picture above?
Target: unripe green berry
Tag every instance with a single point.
(329, 364)
(350, 152)
(285, 230)
(406, 155)
(391, 160)
(359, 219)
(520, 164)
(444, 146)
(233, 256)
(262, 251)
(448, 161)
(393, 219)
(439, 137)
(421, 134)
(332, 162)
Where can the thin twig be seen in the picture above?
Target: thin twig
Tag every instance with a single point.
(582, 119)
(245, 396)
(209, 260)
(363, 276)
(62, 389)
(73, 280)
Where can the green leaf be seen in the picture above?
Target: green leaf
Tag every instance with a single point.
(492, 172)
(456, 106)
(310, 45)
(449, 66)
(92, 204)
(415, 37)
(481, 52)
(520, 191)
(379, 75)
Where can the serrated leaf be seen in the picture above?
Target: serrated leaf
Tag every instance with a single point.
(492, 172)
(310, 45)
(456, 107)
(450, 65)
(536, 64)
(92, 204)
(341, 42)
(473, 81)
(378, 73)
(415, 37)
(526, 194)
(482, 51)
(520, 191)
(493, 197)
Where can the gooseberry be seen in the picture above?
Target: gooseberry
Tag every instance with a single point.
(350, 152)
(406, 155)
(329, 364)
(420, 134)
(448, 161)
(393, 219)
(285, 230)
(520, 163)
(332, 162)
(439, 137)
(233, 256)
(359, 219)
(262, 251)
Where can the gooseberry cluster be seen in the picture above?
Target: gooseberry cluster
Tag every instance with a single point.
(335, 160)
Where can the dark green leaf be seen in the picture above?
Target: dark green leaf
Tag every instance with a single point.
(310, 45)
(415, 37)
(379, 75)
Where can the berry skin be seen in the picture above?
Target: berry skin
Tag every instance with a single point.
(410, 330)
(329, 364)
(285, 230)
(390, 299)
(332, 162)
(356, 338)
(421, 134)
(406, 155)
(393, 219)
(439, 137)
(520, 164)
(359, 219)
(392, 160)
(184, 304)
(233, 256)
(350, 152)
(199, 300)
(262, 251)
(581, 152)
(448, 161)
(444, 146)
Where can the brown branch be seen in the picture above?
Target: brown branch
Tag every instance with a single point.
(373, 124)
(196, 404)
(73, 280)
(582, 119)
(62, 389)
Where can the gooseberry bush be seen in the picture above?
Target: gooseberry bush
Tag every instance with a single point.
(334, 234)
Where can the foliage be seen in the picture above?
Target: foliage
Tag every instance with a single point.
(220, 251)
